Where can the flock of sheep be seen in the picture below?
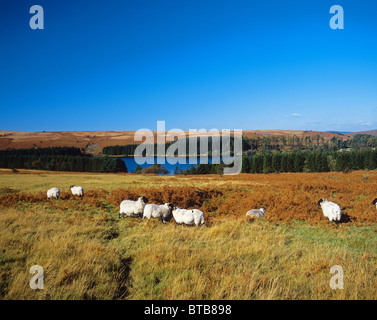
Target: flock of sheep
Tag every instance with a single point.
(166, 211)
(163, 212)
(140, 208)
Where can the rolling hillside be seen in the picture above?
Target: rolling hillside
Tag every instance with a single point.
(370, 132)
(94, 141)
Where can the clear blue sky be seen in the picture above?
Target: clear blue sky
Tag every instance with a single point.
(124, 65)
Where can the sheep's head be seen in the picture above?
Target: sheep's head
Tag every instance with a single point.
(170, 211)
(374, 201)
(143, 199)
(320, 201)
(170, 206)
(71, 187)
(263, 209)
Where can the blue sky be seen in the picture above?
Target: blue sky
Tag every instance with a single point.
(240, 64)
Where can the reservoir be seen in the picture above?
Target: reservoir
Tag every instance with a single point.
(131, 164)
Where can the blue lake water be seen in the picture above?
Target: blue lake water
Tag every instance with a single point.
(131, 164)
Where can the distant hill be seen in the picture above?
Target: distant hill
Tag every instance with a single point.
(94, 141)
(341, 132)
(297, 133)
(370, 132)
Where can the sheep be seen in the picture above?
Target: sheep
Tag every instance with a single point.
(189, 217)
(53, 193)
(375, 202)
(330, 210)
(133, 208)
(164, 211)
(77, 191)
(256, 213)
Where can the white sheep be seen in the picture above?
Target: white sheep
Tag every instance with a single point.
(258, 213)
(330, 210)
(77, 191)
(132, 208)
(163, 212)
(188, 216)
(375, 202)
(53, 193)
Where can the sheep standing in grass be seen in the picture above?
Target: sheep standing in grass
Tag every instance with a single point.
(132, 208)
(256, 213)
(53, 193)
(375, 202)
(77, 191)
(163, 212)
(330, 210)
(189, 217)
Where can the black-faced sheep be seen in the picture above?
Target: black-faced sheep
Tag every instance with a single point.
(330, 210)
(163, 212)
(53, 193)
(133, 208)
(258, 213)
(77, 191)
(188, 216)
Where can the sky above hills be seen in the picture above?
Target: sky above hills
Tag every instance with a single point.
(240, 64)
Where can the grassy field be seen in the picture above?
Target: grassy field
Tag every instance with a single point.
(88, 253)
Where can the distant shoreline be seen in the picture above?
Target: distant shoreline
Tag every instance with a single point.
(155, 156)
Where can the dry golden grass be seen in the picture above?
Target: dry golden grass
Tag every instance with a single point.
(74, 250)
(239, 259)
(88, 253)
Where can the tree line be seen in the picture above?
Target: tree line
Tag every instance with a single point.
(269, 143)
(59, 159)
(201, 168)
(299, 161)
(308, 143)
(129, 150)
(310, 161)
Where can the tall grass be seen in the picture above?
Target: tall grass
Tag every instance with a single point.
(75, 251)
(241, 259)
(88, 253)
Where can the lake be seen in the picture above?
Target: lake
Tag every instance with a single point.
(131, 164)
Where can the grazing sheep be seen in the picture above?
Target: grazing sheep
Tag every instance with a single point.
(330, 210)
(77, 191)
(132, 208)
(375, 202)
(53, 193)
(164, 211)
(189, 217)
(258, 213)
